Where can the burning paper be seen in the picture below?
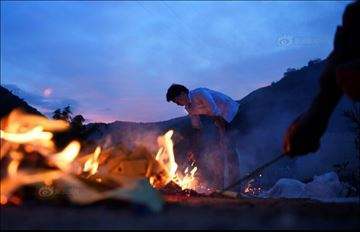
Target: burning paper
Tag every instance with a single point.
(126, 177)
(166, 158)
(22, 133)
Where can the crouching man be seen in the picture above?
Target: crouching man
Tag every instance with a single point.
(221, 109)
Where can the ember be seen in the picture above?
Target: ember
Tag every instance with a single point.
(251, 188)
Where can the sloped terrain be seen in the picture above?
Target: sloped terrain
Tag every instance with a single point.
(9, 101)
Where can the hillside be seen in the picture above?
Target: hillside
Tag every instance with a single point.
(9, 101)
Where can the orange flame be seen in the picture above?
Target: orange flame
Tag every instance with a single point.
(92, 164)
(166, 157)
(64, 158)
(3, 200)
(34, 133)
(14, 164)
(29, 130)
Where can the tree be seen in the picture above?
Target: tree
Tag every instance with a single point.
(64, 114)
(289, 71)
(77, 128)
(313, 62)
(78, 120)
(67, 113)
(57, 114)
(77, 124)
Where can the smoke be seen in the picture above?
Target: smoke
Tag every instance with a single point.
(264, 141)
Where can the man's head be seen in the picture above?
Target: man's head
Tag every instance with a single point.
(178, 94)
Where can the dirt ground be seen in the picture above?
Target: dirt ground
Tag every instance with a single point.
(182, 212)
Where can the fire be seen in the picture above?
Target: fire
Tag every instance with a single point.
(63, 159)
(14, 164)
(166, 157)
(23, 134)
(92, 164)
(36, 133)
(3, 200)
(251, 188)
(187, 179)
(30, 131)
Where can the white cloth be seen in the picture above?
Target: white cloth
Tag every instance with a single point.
(326, 187)
(205, 101)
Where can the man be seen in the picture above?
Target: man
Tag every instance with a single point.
(221, 109)
(341, 76)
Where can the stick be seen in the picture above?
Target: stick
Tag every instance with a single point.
(254, 173)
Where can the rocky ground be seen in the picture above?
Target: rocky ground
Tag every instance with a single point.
(183, 212)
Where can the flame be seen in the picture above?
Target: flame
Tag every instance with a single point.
(14, 164)
(187, 179)
(11, 183)
(165, 154)
(92, 164)
(36, 133)
(3, 200)
(166, 157)
(64, 158)
(33, 132)
(18, 122)
(23, 133)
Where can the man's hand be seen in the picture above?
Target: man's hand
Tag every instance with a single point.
(220, 124)
(347, 77)
(303, 136)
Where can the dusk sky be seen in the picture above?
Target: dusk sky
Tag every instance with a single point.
(115, 60)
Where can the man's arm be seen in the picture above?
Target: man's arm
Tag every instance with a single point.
(206, 99)
(304, 134)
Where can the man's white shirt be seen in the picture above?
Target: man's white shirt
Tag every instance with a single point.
(208, 102)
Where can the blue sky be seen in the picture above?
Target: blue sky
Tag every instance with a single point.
(115, 60)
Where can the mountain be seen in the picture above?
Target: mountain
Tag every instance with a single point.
(266, 113)
(9, 101)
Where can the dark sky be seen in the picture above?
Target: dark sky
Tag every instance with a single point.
(115, 60)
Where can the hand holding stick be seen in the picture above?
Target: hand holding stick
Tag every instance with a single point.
(253, 174)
